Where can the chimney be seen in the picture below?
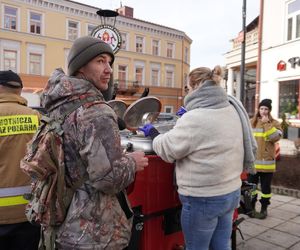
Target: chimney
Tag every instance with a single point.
(125, 11)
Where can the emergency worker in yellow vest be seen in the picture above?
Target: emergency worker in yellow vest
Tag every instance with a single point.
(18, 124)
(267, 132)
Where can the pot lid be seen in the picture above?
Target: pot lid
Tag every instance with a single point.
(118, 106)
(142, 111)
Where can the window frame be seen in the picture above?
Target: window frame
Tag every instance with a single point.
(41, 22)
(291, 106)
(17, 17)
(292, 27)
(10, 45)
(169, 107)
(38, 50)
(137, 48)
(155, 67)
(172, 50)
(158, 47)
(87, 28)
(125, 72)
(68, 29)
(16, 59)
(142, 66)
(124, 41)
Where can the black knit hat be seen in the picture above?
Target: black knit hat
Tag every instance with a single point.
(266, 103)
(84, 49)
(10, 79)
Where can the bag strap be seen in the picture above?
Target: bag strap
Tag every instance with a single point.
(124, 204)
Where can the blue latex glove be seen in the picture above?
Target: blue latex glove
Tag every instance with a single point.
(146, 129)
(181, 111)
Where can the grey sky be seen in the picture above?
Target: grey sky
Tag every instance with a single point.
(210, 24)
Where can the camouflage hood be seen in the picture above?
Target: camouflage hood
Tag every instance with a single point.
(61, 89)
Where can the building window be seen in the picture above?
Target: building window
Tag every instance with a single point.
(289, 99)
(293, 20)
(186, 55)
(155, 47)
(155, 77)
(168, 109)
(35, 64)
(73, 30)
(10, 18)
(170, 48)
(90, 28)
(122, 76)
(35, 23)
(10, 60)
(185, 82)
(139, 74)
(139, 44)
(169, 78)
(124, 41)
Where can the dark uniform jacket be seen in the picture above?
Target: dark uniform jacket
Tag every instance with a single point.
(18, 123)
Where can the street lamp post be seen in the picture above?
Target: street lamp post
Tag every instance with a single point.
(243, 46)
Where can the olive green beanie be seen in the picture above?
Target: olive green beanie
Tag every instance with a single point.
(84, 49)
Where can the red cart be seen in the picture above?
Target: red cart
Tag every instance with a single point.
(155, 197)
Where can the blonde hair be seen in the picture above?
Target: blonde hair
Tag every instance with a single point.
(199, 75)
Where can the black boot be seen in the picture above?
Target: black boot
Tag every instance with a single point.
(263, 213)
(252, 213)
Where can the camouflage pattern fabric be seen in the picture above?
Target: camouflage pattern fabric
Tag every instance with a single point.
(95, 219)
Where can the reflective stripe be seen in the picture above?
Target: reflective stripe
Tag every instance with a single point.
(264, 162)
(270, 131)
(276, 134)
(18, 124)
(12, 201)
(254, 192)
(266, 195)
(14, 191)
(259, 134)
(258, 130)
(266, 167)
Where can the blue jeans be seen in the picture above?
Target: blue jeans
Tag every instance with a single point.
(207, 221)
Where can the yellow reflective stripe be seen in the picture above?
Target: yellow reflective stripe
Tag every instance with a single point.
(270, 131)
(259, 134)
(265, 195)
(254, 192)
(18, 124)
(268, 167)
(12, 201)
(264, 134)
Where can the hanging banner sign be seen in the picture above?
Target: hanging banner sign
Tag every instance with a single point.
(110, 35)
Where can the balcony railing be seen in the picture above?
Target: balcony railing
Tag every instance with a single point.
(125, 87)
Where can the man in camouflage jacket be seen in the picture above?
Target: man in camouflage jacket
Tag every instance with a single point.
(92, 148)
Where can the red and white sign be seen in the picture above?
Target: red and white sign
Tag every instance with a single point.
(281, 66)
(110, 35)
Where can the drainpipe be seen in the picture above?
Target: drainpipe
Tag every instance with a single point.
(258, 65)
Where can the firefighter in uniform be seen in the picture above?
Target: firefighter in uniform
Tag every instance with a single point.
(267, 132)
(18, 123)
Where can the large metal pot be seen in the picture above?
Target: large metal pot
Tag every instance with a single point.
(143, 111)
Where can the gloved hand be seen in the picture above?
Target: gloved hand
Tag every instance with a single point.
(181, 111)
(149, 130)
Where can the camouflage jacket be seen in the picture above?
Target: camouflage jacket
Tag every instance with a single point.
(92, 148)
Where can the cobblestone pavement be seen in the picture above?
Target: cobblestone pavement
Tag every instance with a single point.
(280, 230)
